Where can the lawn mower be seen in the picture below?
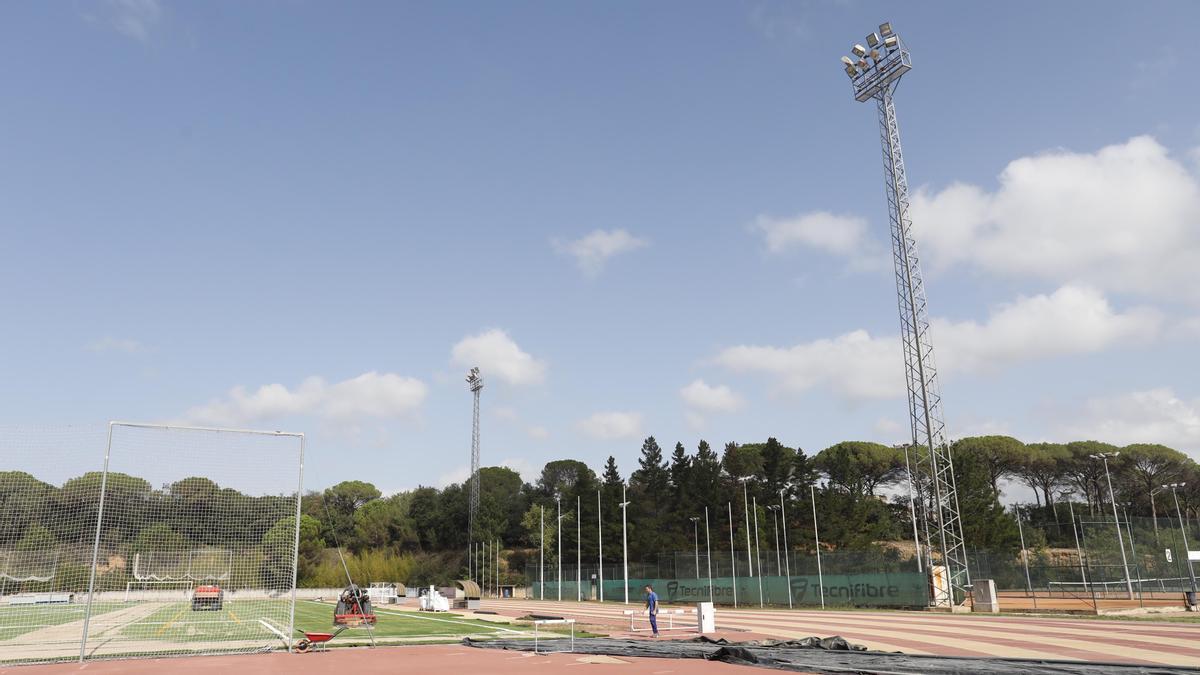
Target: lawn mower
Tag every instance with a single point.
(207, 597)
(353, 608)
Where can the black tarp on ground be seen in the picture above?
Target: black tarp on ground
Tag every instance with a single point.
(824, 655)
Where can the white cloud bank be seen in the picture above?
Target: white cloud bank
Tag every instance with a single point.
(612, 426)
(1151, 416)
(497, 355)
(703, 399)
(1125, 218)
(370, 395)
(839, 234)
(858, 366)
(592, 251)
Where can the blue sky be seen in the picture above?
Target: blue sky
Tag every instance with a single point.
(638, 218)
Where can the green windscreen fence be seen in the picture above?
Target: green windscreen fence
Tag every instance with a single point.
(896, 589)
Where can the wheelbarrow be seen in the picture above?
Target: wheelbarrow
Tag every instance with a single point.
(317, 641)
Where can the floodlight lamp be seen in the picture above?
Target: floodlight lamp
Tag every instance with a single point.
(862, 63)
(875, 55)
(891, 43)
(849, 62)
(851, 71)
(859, 50)
(885, 28)
(873, 40)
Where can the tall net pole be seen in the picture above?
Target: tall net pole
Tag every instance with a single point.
(875, 72)
(475, 382)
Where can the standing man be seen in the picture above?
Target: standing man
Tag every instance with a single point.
(652, 608)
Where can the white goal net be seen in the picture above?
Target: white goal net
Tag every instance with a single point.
(156, 541)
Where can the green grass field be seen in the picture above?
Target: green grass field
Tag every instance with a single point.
(17, 620)
(239, 620)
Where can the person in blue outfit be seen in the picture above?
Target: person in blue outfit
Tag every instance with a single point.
(652, 608)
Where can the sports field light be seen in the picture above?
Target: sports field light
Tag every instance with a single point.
(885, 29)
(625, 540)
(873, 40)
(1183, 531)
(1104, 457)
(859, 50)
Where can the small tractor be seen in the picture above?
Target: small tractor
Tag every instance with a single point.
(353, 608)
(207, 597)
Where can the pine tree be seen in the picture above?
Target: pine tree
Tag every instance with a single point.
(705, 487)
(649, 490)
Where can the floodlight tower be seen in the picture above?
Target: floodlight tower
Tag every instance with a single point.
(875, 71)
(475, 382)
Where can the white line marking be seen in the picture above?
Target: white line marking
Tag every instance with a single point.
(408, 615)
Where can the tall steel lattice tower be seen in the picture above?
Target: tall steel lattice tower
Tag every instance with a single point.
(875, 71)
(475, 382)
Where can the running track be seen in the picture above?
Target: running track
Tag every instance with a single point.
(1138, 642)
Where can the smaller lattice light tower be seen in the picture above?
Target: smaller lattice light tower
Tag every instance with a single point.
(475, 382)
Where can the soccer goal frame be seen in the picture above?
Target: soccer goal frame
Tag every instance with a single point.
(207, 439)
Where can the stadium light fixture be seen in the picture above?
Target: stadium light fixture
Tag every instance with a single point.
(873, 40)
(746, 500)
(1183, 531)
(858, 50)
(625, 540)
(696, 531)
(885, 29)
(1104, 457)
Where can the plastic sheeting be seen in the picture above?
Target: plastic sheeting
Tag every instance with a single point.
(825, 655)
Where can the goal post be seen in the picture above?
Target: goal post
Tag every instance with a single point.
(195, 541)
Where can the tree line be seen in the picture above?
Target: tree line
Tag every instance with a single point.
(860, 490)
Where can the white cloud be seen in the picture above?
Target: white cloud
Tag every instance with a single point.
(856, 366)
(372, 394)
(841, 235)
(537, 432)
(528, 472)
(458, 474)
(134, 19)
(111, 344)
(887, 427)
(1072, 320)
(592, 251)
(1125, 218)
(498, 356)
(1152, 416)
(611, 426)
(505, 413)
(706, 398)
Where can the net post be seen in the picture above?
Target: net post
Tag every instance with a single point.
(87, 612)
(296, 548)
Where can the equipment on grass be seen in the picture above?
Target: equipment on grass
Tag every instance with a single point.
(386, 592)
(432, 600)
(208, 597)
(353, 608)
(317, 640)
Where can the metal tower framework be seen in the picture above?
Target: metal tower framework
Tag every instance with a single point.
(875, 72)
(475, 382)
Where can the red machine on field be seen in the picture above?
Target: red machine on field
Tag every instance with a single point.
(353, 608)
(207, 597)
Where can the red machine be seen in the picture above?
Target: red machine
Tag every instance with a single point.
(353, 608)
(207, 597)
